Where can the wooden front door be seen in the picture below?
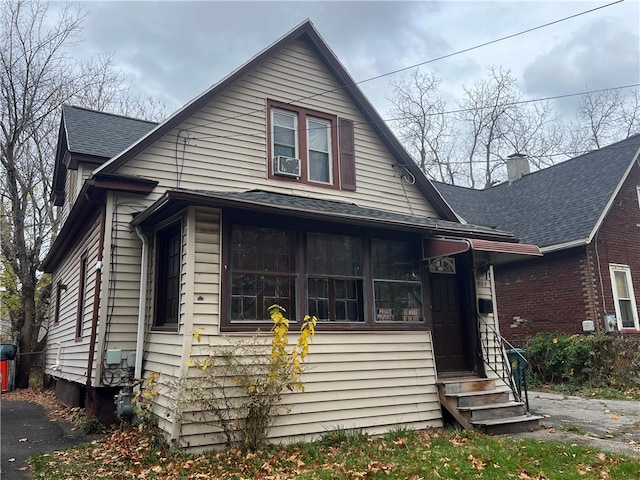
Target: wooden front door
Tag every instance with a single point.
(451, 336)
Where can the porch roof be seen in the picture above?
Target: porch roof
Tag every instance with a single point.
(498, 251)
(311, 208)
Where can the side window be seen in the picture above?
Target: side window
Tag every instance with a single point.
(335, 277)
(397, 286)
(263, 272)
(623, 297)
(82, 286)
(167, 277)
(60, 287)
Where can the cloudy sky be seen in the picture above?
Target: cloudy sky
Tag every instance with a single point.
(174, 50)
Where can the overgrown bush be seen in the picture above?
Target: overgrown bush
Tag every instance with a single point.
(239, 386)
(600, 361)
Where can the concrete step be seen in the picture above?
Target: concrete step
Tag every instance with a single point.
(499, 426)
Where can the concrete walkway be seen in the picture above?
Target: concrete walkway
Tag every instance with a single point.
(610, 425)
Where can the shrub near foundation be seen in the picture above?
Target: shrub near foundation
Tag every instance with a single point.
(597, 361)
(239, 387)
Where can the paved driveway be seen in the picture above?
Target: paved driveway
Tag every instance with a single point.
(26, 430)
(611, 425)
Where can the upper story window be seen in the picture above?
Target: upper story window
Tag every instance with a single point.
(167, 278)
(310, 147)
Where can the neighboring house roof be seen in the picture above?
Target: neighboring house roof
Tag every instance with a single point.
(557, 207)
(307, 32)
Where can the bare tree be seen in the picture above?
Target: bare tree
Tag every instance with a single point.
(604, 117)
(470, 145)
(497, 123)
(36, 77)
(419, 118)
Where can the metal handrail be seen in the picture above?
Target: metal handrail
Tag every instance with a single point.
(498, 360)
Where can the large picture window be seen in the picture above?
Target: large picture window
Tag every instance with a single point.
(263, 272)
(396, 278)
(348, 281)
(168, 265)
(335, 278)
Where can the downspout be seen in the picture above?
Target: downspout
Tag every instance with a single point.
(144, 266)
(91, 403)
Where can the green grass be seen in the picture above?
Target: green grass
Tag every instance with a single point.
(341, 454)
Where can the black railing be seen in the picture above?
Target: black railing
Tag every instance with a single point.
(507, 362)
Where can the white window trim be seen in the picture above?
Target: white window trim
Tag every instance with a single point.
(638, 192)
(634, 310)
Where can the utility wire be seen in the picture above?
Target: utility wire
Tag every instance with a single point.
(459, 52)
(434, 114)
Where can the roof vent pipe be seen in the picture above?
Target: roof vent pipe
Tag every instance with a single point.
(517, 166)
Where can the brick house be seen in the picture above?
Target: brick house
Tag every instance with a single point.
(584, 214)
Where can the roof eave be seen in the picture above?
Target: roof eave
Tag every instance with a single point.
(173, 201)
(92, 193)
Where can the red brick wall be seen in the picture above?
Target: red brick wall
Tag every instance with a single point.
(541, 295)
(618, 240)
(557, 292)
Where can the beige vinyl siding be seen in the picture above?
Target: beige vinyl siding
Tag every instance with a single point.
(485, 288)
(73, 354)
(206, 280)
(121, 284)
(223, 146)
(374, 381)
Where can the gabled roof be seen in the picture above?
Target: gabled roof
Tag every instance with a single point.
(100, 134)
(557, 207)
(305, 31)
(94, 137)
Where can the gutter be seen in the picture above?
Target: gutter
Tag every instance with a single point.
(144, 267)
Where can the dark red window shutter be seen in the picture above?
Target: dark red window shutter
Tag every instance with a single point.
(347, 155)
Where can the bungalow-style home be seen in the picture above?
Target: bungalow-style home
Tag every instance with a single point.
(584, 214)
(279, 184)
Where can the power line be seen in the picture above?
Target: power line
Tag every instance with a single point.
(459, 52)
(447, 112)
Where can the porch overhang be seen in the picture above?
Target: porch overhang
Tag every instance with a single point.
(499, 252)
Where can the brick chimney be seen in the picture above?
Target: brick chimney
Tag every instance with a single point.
(517, 166)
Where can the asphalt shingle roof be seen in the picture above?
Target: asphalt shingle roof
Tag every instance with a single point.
(552, 206)
(101, 134)
(314, 208)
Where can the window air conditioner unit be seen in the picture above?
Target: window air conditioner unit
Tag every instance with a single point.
(286, 166)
